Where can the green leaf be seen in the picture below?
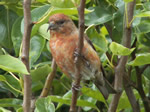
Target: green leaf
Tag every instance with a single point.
(40, 73)
(9, 83)
(67, 95)
(141, 59)
(127, 1)
(146, 73)
(7, 18)
(123, 102)
(4, 110)
(43, 32)
(144, 38)
(100, 15)
(118, 49)
(12, 64)
(44, 105)
(67, 101)
(97, 39)
(10, 102)
(144, 26)
(36, 15)
(117, 22)
(52, 10)
(143, 14)
(37, 44)
(93, 93)
(2, 78)
(64, 3)
(16, 35)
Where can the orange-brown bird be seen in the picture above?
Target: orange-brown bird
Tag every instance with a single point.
(63, 44)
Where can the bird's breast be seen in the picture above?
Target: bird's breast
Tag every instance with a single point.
(62, 50)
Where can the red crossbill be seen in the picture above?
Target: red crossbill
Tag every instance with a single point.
(63, 44)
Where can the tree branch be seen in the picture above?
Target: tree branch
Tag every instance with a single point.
(134, 103)
(78, 59)
(49, 80)
(146, 101)
(25, 55)
(120, 69)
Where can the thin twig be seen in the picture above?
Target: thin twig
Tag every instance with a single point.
(25, 55)
(49, 80)
(146, 101)
(78, 59)
(120, 69)
(134, 103)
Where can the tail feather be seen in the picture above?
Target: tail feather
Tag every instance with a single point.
(105, 89)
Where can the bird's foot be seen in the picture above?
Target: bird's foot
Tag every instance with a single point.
(76, 55)
(76, 87)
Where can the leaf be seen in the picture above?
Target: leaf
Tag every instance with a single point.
(97, 39)
(144, 26)
(43, 32)
(118, 49)
(67, 101)
(36, 14)
(143, 14)
(44, 105)
(127, 1)
(100, 15)
(4, 110)
(146, 73)
(10, 102)
(37, 44)
(53, 10)
(144, 38)
(7, 18)
(2, 78)
(67, 95)
(12, 64)
(16, 35)
(66, 3)
(123, 102)
(141, 59)
(10, 84)
(93, 93)
(40, 73)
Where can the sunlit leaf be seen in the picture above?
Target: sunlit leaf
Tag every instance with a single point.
(141, 59)
(143, 14)
(44, 105)
(118, 49)
(12, 64)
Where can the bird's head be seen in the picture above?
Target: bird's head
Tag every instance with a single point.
(61, 24)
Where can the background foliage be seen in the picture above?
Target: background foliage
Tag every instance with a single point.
(104, 20)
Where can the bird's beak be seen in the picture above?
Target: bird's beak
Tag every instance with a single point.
(52, 26)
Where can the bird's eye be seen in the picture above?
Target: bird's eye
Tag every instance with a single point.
(61, 22)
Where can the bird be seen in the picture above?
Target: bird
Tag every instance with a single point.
(63, 44)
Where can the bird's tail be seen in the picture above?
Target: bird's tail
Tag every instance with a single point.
(104, 86)
(105, 89)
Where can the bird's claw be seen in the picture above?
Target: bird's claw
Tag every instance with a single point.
(76, 87)
(76, 55)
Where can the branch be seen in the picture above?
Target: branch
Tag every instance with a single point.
(134, 103)
(78, 59)
(146, 101)
(49, 80)
(120, 69)
(25, 55)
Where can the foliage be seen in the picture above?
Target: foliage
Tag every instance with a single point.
(104, 20)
